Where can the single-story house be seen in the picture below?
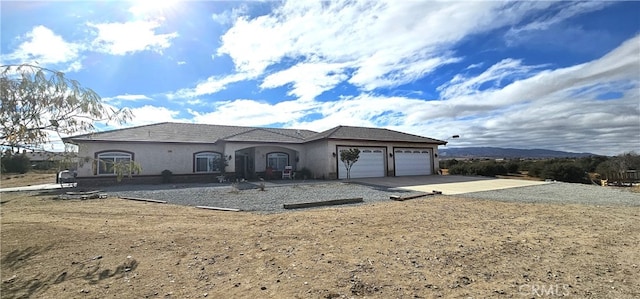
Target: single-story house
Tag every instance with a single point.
(190, 152)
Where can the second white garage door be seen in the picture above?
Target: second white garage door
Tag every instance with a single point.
(410, 161)
(369, 165)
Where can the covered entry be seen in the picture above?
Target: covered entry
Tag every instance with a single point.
(369, 165)
(413, 161)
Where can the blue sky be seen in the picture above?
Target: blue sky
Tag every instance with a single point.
(552, 75)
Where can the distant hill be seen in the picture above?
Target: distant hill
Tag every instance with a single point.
(498, 152)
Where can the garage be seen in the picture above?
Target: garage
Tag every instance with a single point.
(369, 165)
(413, 161)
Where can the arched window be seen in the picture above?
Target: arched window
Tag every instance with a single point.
(277, 161)
(108, 160)
(207, 162)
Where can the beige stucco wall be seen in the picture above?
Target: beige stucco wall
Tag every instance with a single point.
(153, 157)
(260, 153)
(388, 146)
(316, 156)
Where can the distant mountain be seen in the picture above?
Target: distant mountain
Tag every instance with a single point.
(498, 152)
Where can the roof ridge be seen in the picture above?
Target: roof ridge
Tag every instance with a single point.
(411, 134)
(249, 129)
(275, 131)
(333, 130)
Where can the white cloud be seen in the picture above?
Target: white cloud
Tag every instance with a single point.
(362, 110)
(196, 102)
(505, 69)
(43, 46)
(130, 37)
(559, 107)
(153, 8)
(151, 114)
(396, 73)
(385, 43)
(244, 112)
(566, 11)
(309, 79)
(128, 97)
(368, 44)
(538, 107)
(474, 66)
(212, 85)
(227, 17)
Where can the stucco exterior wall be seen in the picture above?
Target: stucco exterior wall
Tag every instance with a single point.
(153, 157)
(388, 146)
(261, 150)
(317, 157)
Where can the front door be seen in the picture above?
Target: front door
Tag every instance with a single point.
(241, 166)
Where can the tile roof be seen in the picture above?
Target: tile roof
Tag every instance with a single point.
(272, 135)
(377, 134)
(201, 133)
(166, 132)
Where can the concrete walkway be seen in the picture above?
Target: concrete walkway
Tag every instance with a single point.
(447, 184)
(38, 187)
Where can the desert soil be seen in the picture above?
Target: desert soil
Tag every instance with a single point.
(439, 246)
(9, 180)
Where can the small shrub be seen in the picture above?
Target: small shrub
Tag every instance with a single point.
(460, 169)
(235, 187)
(483, 168)
(19, 163)
(303, 174)
(564, 172)
(512, 167)
(446, 164)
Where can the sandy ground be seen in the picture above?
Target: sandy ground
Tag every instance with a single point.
(10, 180)
(439, 246)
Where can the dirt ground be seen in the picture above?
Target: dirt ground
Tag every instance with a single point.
(9, 180)
(439, 246)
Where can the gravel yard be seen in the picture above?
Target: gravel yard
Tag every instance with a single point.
(248, 197)
(562, 193)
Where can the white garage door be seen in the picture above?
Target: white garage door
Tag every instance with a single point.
(369, 165)
(412, 161)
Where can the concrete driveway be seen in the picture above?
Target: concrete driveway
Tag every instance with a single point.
(447, 184)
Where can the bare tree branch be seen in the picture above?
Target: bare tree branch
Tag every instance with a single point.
(36, 99)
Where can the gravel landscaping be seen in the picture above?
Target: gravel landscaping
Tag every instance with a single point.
(249, 197)
(562, 193)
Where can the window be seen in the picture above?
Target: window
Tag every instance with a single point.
(108, 160)
(207, 162)
(277, 161)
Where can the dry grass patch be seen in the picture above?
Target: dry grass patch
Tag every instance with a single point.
(436, 247)
(9, 180)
